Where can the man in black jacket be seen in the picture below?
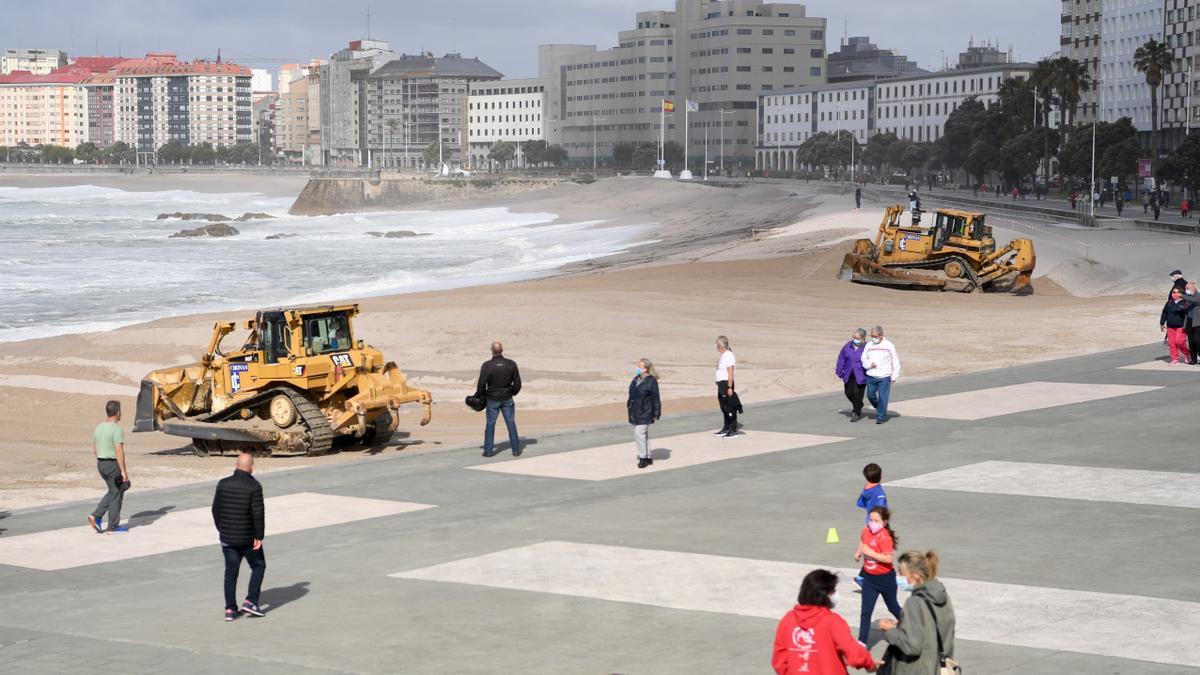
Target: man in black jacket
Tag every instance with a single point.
(499, 381)
(238, 513)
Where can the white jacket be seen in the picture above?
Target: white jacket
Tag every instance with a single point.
(885, 358)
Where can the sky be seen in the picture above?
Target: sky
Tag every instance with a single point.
(502, 33)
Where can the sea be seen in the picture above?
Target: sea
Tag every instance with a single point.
(88, 258)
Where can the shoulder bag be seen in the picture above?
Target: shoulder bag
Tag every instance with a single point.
(945, 666)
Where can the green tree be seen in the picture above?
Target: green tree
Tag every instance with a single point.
(1044, 81)
(86, 152)
(118, 153)
(203, 154)
(535, 152)
(1117, 151)
(431, 154)
(556, 155)
(961, 130)
(1071, 79)
(645, 156)
(502, 152)
(1183, 166)
(623, 154)
(877, 152)
(172, 152)
(1154, 60)
(673, 154)
(914, 156)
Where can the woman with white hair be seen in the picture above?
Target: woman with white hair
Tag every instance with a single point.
(645, 407)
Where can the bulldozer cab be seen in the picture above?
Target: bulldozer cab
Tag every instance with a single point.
(300, 333)
(326, 333)
(962, 225)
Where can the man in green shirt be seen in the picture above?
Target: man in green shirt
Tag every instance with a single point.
(108, 445)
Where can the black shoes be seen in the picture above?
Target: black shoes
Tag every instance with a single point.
(881, 421)
(732, 433)
(489, 454)
(723, 431)
(854, 417)
(517, 452)
(644, 462)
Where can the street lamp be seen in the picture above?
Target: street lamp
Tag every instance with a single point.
(721, 119)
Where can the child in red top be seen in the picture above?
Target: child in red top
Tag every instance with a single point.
(875, 548)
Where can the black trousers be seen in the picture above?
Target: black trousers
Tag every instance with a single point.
(233, 562)
(854, 393)
(728, 409)
(1193, 340)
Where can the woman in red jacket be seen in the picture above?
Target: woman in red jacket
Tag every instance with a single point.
(812, 639)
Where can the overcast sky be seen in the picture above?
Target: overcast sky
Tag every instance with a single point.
(503, 33)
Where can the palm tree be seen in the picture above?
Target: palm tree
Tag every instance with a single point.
(1070, 80)
(392, 125)
(1045, 79)
(1154, 59)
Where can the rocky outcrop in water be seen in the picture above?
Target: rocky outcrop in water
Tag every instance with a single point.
(398, 234)
(280, 235)
(211, 217)
(253, 216)
(217, 230)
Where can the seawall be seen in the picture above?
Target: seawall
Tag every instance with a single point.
(325, 196)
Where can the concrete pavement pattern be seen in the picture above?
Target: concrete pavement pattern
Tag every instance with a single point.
(1164, 366)
(79, 546)
(1054, 504)
(672, 452)
(1060, 481)
(1082, 621)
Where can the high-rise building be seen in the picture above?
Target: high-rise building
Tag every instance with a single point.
(343, 101)
(508, 110)
(260, 80)
(721, 54)
(1179, 96)
(860, 59)
(292, 111)
(1125, 26)
(982, 56)
(1080, 40)
(33, 61)
(49, 109)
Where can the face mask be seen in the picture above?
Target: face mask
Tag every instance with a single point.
(637, 371)
(856, 341)
(875, 527)
(833, 600)
(876, 340)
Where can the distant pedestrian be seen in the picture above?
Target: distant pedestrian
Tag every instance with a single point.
(1073, 197)
(1185, 207)
(914, 200)
(928, 624)
(1146, 203)
(975, 189)
(850, 369)
(1120, 204)
(1192, 327)
(108, 447)
(499, 381)
(998, 188)
(1015, 193)
(644, 407)
(882, 366)
(875, 548)
(240, 517)
(1157, 208)
(1096, 200)
(857, 198)
(811, 638)
(727, 397)
(1172, 321)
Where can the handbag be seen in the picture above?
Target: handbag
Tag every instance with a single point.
(476, 402)
(945, 665)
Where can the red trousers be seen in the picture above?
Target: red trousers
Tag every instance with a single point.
(1177, 342)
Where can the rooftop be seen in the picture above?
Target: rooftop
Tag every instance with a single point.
(64, 75)
(427, 65)
(167, 64)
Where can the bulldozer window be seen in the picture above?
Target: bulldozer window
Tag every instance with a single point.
(274, 339)
(327, 333)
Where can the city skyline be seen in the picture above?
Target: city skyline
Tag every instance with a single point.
(242, 32)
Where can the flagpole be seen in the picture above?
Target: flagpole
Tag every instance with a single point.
(662, 130)
(687, 132)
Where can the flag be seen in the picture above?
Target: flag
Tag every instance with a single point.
(668, 105)
(692, 106)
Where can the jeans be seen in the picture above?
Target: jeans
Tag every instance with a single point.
(878, 389)
(875, 585)
(641, 437)
(233, 562)
(110, 471)
(854, 393)
(508, 409)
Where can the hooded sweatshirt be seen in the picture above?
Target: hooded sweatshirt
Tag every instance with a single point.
(885, 358)
(914, 638)
(812, 639)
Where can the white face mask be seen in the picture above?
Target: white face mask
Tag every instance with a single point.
(877, 340)
(833, 600)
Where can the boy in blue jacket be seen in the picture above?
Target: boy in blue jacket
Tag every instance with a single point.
(872, 496)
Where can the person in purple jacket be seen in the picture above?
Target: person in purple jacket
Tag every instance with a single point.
(850, 369)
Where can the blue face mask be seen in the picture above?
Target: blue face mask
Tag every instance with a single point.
(856, 341)
(638, 372)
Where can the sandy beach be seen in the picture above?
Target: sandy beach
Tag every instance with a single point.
(757, 263)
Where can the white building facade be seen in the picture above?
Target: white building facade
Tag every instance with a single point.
(916, 108)
(507, 110)
(33, 61)
(1126, 25)
(794, 115)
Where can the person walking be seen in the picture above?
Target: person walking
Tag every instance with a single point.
(1177, 280)
(925, 634)
(1072, 199)
(1120, 204)
(240, 518)
(1146, 202)
(857, 198)
(1185, 206)
(875, 548)
(1192, 326)
(882, 365)
(811, 638)
(645, 408)
(1172, 321)
(849, 368)
(499, 381)
(726, 392)
(108, 447)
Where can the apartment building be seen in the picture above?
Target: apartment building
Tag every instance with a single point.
(860, 59)
(159, 99)
(293, 112)
(1125, 26)
(32, 61)
(914, 107)
(1080, 40)
(413, 102)
(50, 109)
(721, 54)
(343, 101)
(506, 110)
(1179, 97)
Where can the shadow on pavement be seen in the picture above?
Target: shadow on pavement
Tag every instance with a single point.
(146, 517)
(504, 447)
(3, 515)
(274, 598)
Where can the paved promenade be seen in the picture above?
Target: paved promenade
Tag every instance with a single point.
(1061, 496)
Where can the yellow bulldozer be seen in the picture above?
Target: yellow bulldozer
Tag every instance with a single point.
(299, 381)
(954, 251)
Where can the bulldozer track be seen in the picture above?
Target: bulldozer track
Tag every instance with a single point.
(938, 264)
(320, 434)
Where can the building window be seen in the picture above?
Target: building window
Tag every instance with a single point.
(815, 71)
(816, 53)
(816, 35)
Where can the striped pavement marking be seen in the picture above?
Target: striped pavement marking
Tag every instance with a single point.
(177, 531)
(982, 404)
(1061, 481)
(1084, 622)
(1162, 366)
(671, 452)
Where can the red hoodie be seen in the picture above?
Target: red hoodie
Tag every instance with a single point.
(812, 639)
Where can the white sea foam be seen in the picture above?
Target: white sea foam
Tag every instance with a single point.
(87, 258)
